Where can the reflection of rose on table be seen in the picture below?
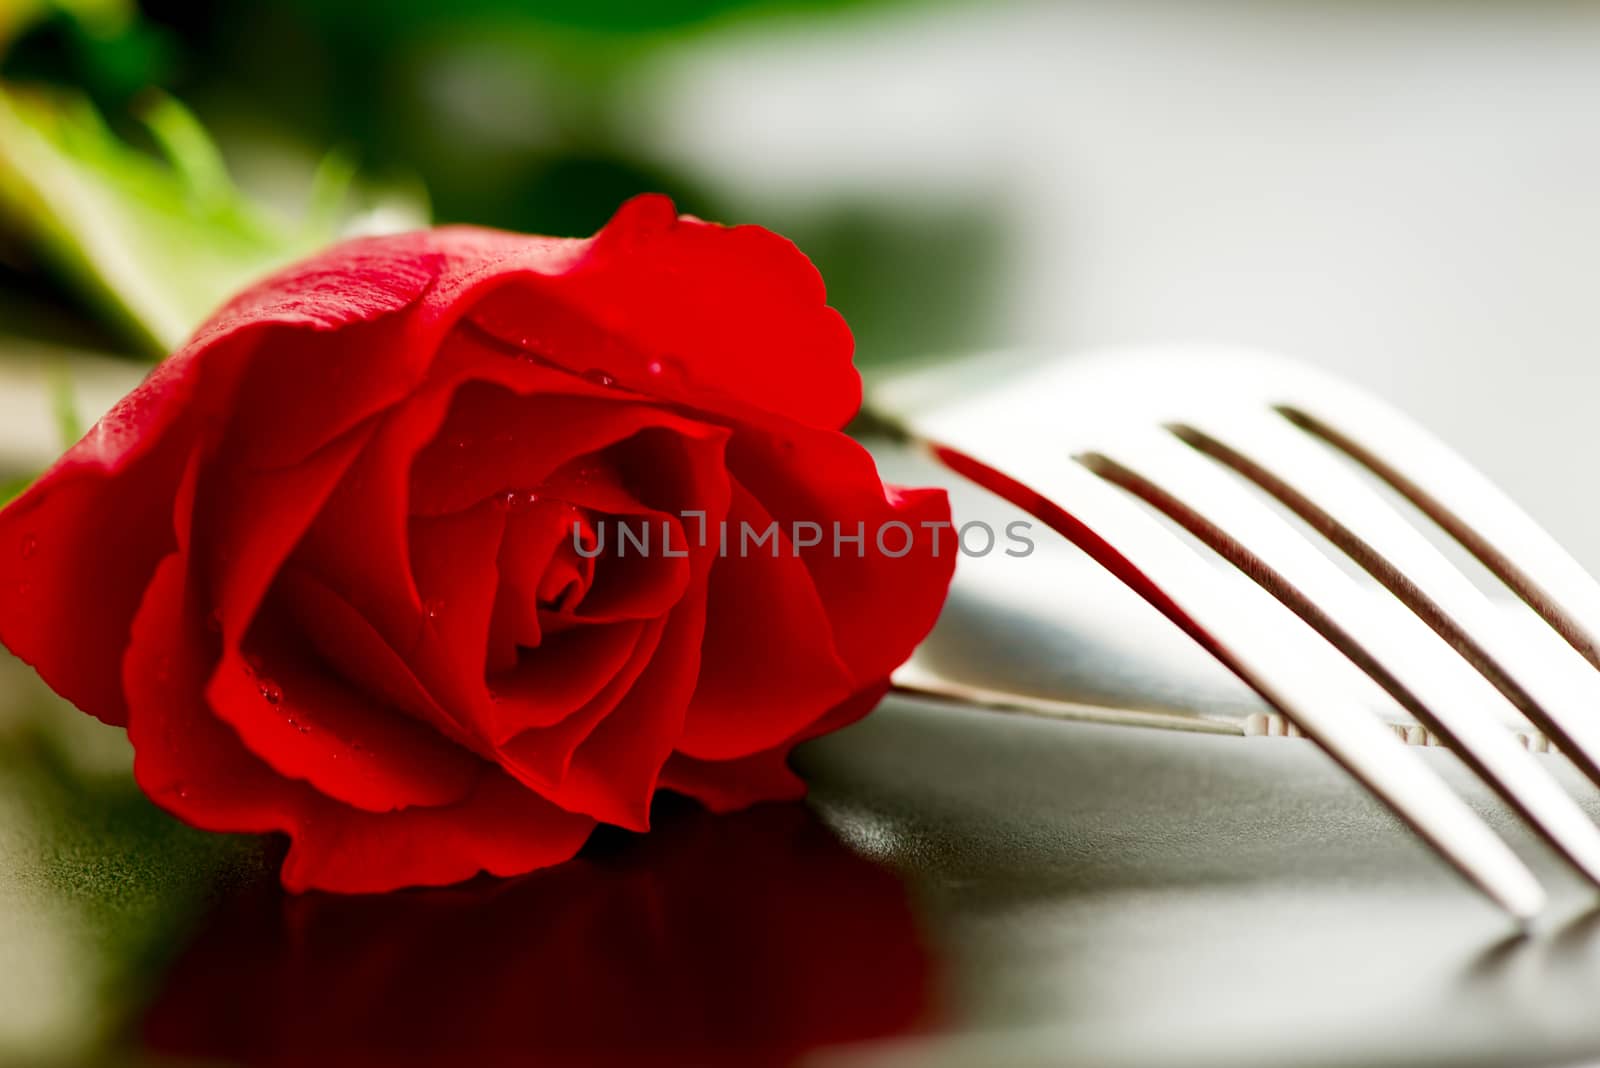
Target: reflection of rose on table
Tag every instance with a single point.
(738, 940)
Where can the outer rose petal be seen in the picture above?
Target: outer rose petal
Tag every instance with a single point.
(880, 606)
(500, 828)
(346, 638)
(184, 759)
(310, 725)
(195, 767)
(112, 485)
(758, 601)
(729, 785)
(699, 320)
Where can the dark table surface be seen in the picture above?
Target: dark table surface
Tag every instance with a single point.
(962, 888)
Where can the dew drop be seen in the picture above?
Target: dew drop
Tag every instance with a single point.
(431, 609)
(655, 367)
(30, 545)
(599, 377)
(183, 791)
(272, 692)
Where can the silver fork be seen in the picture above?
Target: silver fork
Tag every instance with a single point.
(1099, 448)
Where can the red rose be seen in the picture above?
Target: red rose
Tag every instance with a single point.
(330, 564)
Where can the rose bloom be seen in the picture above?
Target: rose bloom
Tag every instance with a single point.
(331, 563)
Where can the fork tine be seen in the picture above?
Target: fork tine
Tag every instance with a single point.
(1472, 509)
(1381, 636)
(1289, 666)
(1541, 681)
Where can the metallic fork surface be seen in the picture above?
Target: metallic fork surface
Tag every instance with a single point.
(1204, 438)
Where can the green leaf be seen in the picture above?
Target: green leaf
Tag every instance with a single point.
(157, 244)
(194, 157)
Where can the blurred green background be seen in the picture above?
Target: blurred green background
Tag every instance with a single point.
(526, 116)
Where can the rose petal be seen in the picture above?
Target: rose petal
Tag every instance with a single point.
(536, 550)
(351, 646)
(307, 724)
(359, 543)
(115, 485)
(196, 768)
(352, 282)
(305, 388)
(635, 583)
(604, 759)
(878, 606)
(116, 480)
(729, 785)
(453, 559)
(561, 676)
(500, 828)
(247, 521)
(186, 760)
(540, 757)
(761, 598)
(613, 774)
(495, 441)
(712, 311)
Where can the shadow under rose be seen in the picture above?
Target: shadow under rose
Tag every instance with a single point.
(741, 940)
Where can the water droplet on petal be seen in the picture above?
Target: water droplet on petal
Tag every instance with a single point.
(183, 791)
(599, 377)
(655, 367)
(272, 692)
(30, 545)
(431, 609)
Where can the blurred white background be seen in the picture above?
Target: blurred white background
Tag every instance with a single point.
(1408, 193)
